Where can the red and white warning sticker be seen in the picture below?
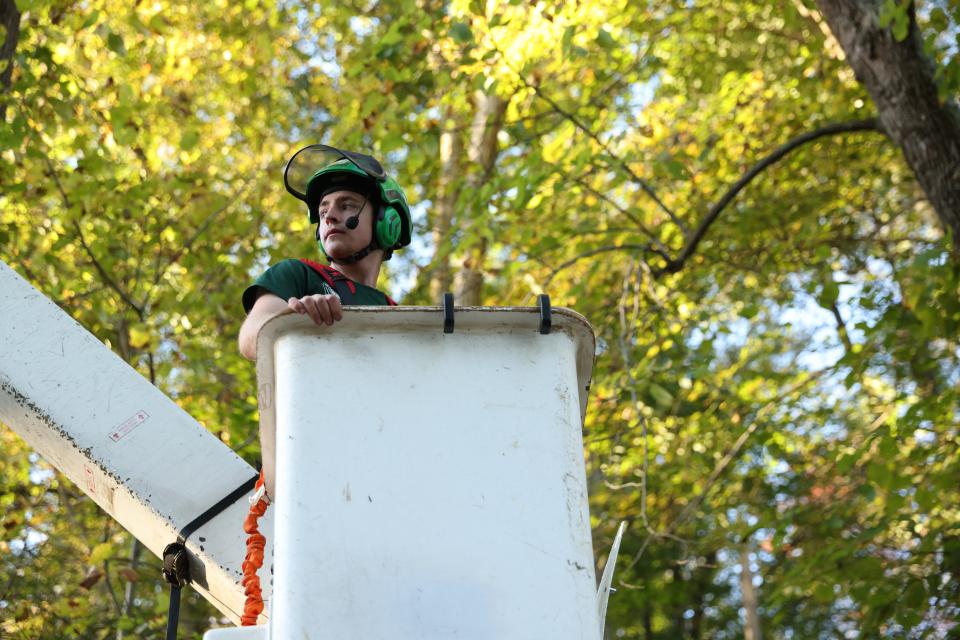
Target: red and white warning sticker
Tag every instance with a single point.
(129, 425)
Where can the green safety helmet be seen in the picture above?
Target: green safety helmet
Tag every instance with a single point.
(351, 171)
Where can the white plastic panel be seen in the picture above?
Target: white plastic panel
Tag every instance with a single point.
(430, 485)
(137, 454)
(238, 633)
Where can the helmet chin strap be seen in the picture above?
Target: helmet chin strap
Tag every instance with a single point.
(358, 256)
(351, 259)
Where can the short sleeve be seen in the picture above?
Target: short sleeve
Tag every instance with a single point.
(285, 280)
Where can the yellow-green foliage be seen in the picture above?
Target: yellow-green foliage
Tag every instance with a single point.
(792, 389)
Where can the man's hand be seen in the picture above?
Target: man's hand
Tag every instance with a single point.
(322, 308)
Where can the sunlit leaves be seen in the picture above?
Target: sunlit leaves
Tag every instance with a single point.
(792, 389)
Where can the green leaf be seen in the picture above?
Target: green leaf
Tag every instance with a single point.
(901, 27)
(828, 294)
(823, 592)
(91, 20)
(567, 40)
(189, 139)
(895, 14)
(661, 396)
(605, 40)
(115, 44)
(939, 21)
(461, 32)
(926, 499)
(101, 552)
(879, 474)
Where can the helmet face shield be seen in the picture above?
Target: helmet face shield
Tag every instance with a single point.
(315, 169)
(306, 162)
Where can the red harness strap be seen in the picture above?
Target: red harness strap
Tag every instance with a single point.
(332, 276)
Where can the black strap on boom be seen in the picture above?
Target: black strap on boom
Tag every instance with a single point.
(176, 560)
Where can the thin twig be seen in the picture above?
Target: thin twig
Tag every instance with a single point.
(644, 185)
(10, 19)
(841, 328)
(690, 508)
(109, 585)
(188, 244)
(86, 247)
(577, 122)
(592, 252)
(628, 366)
(626, 212)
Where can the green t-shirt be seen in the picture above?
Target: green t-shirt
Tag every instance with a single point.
(297, 278)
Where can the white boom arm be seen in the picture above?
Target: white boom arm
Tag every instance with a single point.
(129, 447)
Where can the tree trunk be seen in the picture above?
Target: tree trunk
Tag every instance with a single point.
(451, 149)
(482, 153)
(702, 581)
(647, 619)
(751, 623)
(900, 79)
(128, 593)
(10, 19)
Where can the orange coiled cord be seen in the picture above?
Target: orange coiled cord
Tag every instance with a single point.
(254, 559)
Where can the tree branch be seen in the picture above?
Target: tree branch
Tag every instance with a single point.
(109, 281)
(732, 453)
(644, 185)
(648, 248)
(200, 230)
(694, 239)
(841, 328)
(902, 80)
(629, 214)
(10, 19)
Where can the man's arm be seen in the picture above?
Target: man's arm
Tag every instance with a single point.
(322, 309)
(266, 306)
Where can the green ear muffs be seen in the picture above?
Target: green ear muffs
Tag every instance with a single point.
(387, 231)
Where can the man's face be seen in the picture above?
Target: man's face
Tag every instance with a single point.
(335, 208)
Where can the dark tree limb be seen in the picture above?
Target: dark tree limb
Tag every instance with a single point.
(693, 239)
(901, 80)
(10, 19)
(841, 328)
(187, 245)
(109, 281)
